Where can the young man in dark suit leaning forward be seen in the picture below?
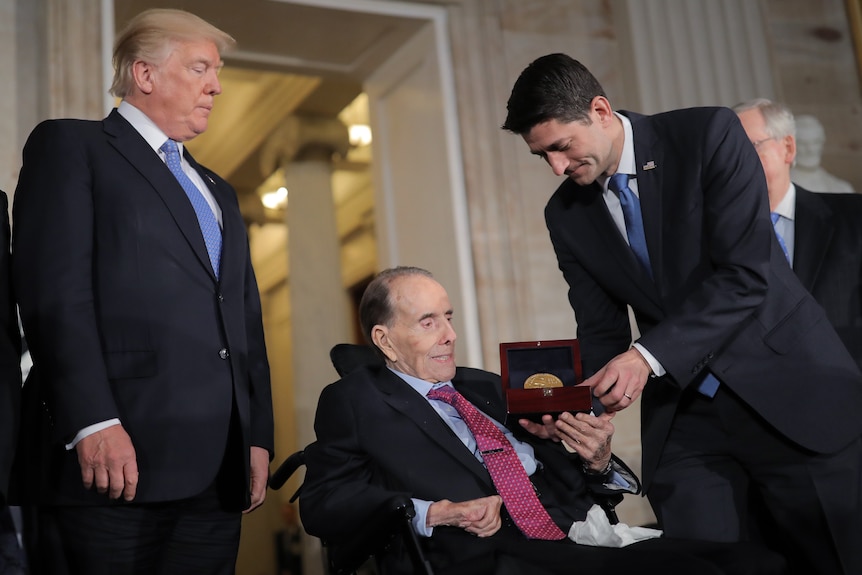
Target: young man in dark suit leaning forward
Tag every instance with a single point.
(738, 368)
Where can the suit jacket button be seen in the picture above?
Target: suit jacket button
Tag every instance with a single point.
(220, 297)
(223, 353)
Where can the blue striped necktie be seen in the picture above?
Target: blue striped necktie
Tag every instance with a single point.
(775, 217)
(206, 218)
(632, 215)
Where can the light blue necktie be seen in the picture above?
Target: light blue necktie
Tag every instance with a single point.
(637, 241)
(632, 215)
(207, 220)
(775, 217)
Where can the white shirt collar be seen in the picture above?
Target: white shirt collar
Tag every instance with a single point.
(420, 385)
(154, 136)
(786, 208)
(627, 157)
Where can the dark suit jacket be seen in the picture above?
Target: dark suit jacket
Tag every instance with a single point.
(377, 437)
(723, 298)
(10, 357)
(124, 317)
(828, 259)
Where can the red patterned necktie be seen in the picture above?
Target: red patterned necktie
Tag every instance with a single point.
(506, 469)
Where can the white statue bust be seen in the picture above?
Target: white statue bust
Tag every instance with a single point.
(807, 172)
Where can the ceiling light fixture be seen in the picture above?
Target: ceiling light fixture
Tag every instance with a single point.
(275, 200)
(359, 135)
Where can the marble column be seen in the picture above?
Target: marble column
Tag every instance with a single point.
(10, 65)
(74, 58)
(51, 63)
(677, 53)
(320, 315)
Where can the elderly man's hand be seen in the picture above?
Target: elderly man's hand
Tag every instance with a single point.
(589, 436)
(481, 517)
(545, 430)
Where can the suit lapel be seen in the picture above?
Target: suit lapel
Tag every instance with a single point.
(404, 399)
(649, 164)
(135, 149)
(814, 223)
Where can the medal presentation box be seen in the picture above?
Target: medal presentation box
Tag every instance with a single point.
(539, 377)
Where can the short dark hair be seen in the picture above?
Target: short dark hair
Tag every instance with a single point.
(553, 87)
(375, 307)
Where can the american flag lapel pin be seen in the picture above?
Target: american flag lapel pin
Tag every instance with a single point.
(650, 165)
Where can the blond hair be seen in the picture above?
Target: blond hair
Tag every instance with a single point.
(149, 36)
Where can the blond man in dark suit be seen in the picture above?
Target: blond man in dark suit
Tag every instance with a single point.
(142, 314)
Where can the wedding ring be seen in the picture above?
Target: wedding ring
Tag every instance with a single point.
(627, 395)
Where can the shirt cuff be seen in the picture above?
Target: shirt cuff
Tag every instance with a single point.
(657, 369)
(90, 430)
(615, 479)
(420, 519)
(619, 479)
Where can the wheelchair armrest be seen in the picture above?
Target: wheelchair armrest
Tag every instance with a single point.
(286, 469)
(609, 504)
(391, 520)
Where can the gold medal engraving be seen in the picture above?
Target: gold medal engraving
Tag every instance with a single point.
(540, 380)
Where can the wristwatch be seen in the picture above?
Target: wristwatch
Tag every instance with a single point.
(604, 471)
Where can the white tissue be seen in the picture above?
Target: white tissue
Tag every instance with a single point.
(597, 531)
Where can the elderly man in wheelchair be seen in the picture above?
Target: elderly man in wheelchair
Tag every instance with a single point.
(533, 498)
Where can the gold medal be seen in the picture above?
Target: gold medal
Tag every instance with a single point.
(541, 380)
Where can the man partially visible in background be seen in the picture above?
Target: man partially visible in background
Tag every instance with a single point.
(821, 232)
(737, 365)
